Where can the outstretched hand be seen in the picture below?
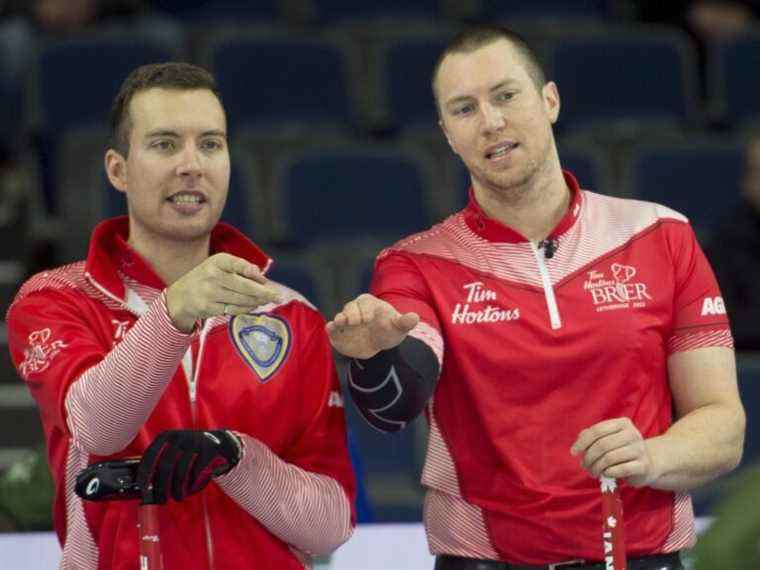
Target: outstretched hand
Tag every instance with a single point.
(368, 325)
(222, 285)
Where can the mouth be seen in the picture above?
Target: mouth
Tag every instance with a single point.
(187, 198)
(498, 151)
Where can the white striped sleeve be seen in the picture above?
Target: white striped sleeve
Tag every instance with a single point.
(309, 511)
(107, 405)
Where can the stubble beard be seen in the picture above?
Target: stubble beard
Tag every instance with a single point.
(514, 189)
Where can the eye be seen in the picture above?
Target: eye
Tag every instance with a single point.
(463, 109)
(505, 96)
(212, 144)
(163, 145)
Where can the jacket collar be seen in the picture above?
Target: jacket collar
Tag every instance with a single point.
(493, 230)
(109, 255)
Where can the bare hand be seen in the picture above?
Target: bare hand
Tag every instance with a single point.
(368, 325)
(615, 448)
(221, 285)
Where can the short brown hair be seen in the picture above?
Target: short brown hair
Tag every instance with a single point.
(169, 75)
(475, 37)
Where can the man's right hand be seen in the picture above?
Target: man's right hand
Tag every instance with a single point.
(368, 325)
(222, 285)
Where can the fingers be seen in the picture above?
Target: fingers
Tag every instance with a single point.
(615, 448)
(588, 436)
(181, 477)
(238, 266)
(406, 322)
(364, 309)
(148, 477)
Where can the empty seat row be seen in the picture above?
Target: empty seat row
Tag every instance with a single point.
(339, 11)
(271, 78)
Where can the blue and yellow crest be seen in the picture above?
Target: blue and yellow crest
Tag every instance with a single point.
(263, 342)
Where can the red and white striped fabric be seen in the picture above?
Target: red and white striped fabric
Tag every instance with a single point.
(109, 371)
(536, 349)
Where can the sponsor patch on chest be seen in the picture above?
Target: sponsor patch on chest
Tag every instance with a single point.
(477, 307)
(617, 290)
(262, 341)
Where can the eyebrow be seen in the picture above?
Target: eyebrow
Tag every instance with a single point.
(500, 85)
(176, 135)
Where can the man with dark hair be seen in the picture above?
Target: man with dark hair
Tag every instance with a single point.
(169, 343)
(548, 332)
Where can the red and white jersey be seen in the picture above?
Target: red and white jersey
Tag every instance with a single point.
(534, 350)
(109, 371)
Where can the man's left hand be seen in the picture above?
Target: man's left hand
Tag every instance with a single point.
(182, 462)
(615, 448)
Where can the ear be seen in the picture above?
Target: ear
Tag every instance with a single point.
(116, 169)
(550, 95)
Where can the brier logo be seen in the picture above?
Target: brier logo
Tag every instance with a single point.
(620, 292)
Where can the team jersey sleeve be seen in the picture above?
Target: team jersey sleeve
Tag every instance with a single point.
(97, 394)
(398, 280)
(304, 496)
(699, 313)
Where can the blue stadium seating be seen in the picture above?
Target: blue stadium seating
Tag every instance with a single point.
(406, 67)
(734, 80)
(279, 80)
(77, 79)
(626, 75)
(699, 179)
(225, 11)
(543, 9)
(337, 11)
(344, 193)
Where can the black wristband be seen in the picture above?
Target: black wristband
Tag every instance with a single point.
(392, 388)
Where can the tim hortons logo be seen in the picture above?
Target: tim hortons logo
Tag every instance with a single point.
(477, 296)
(620, 292)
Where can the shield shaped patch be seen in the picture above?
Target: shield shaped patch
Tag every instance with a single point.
(262, 341)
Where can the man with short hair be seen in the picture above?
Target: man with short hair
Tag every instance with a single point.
(169, 343)
(548, 331)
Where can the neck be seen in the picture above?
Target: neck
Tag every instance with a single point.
(170, 259)
(533, 207)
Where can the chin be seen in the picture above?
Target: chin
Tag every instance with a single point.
(190, 231)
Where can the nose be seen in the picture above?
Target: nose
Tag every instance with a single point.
(190, 162)
(493, 119)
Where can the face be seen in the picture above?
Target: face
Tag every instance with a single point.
(178, 169)
(494, 116)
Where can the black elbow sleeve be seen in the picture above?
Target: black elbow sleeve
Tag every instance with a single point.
(393, 387)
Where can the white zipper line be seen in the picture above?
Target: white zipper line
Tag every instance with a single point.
(551, 300)
(108, 294)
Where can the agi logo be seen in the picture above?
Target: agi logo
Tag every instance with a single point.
(713, 306)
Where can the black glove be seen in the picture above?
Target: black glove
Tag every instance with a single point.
(182, 462)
